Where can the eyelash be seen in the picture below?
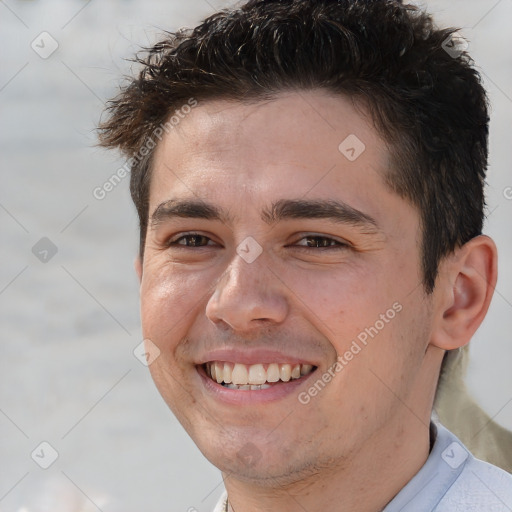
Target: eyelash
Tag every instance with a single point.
(337, 244)
(174, 242)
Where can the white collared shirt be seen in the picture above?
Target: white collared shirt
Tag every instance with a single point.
(451, 480)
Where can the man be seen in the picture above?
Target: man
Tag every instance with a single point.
(308, 177)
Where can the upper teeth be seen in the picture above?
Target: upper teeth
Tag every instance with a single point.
(255, 374)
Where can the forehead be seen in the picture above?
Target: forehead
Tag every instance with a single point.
(298, 144)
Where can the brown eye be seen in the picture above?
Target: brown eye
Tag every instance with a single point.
(191, 240)
(317, 241)
(321, 241)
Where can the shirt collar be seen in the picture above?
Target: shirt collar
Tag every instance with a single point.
(445, 463)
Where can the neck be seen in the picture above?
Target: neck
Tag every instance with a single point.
(356, 485)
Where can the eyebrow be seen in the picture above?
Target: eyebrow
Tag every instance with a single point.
(186, 208)
(283, 209)
(334, 210)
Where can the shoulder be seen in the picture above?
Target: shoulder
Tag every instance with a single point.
(453, 480)
(479, 486)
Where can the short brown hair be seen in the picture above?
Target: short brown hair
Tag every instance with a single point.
(425, 99)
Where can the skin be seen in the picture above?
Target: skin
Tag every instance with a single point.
(311, 302)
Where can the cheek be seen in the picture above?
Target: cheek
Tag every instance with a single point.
(170, 299)
(366, 314)
(341, 302)
(396, 345)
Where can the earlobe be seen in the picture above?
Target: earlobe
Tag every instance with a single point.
(138, 267)
(465, 291)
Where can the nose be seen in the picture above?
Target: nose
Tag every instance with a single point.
(247, 296)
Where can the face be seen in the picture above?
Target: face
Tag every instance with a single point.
(277, 260)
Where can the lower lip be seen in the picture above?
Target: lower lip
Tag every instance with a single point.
(241, 397)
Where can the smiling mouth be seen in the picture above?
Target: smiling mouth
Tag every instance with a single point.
(255, 376)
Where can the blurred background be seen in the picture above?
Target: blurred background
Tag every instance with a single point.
(82, 427)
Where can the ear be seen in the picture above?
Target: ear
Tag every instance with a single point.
(138, 267)
(464, 290)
